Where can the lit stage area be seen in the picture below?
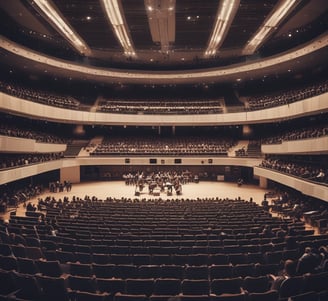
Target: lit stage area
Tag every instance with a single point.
(205, 189)
(118, 189)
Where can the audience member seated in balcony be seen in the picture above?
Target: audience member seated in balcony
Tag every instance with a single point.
(320, 176)
(304, 170)
(12, 161)
(241, 152)
(309, 262)
(289, 271)
(169, 106)
(164, 146)
(298, 134)
(8, 130)
(286, 97)
(45, 97)
(253, 149)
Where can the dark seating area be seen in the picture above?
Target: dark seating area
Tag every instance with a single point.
(45, 97)
(309, 169)
(280, 98)
(14, 131)
(175, 146)
(177, 106)
(19, 160)
(292, 204)
(39, 130)
(131, 249)
(11, 195)
(298, 134)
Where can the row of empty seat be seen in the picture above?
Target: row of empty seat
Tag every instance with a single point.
(200, 247)
(67, 287)
(57, 268)
(140, 257)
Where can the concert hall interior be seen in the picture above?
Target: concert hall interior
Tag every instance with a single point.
(163, 150)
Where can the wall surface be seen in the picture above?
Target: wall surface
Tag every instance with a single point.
(19, 145)
(71, 174)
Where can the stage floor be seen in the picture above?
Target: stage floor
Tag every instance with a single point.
(118, 189)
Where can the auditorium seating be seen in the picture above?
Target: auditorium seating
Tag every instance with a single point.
(291, 286)
(314, 169)
(279, 98)
(161, 246)
(40, 96)
(170, 106)
(177, 146)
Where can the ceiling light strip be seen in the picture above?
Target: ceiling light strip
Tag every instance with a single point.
(48, 9)
(161, 19)
(226, 12)
(114, 14)
(280, 12)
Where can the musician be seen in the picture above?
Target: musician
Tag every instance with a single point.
(160, 183)
(196, 179)
(169, 186)
(178, 189)
(141, 185)
(151, 186)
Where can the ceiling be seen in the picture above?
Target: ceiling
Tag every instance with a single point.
(175, 40)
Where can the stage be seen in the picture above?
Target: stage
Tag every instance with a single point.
(118, 189)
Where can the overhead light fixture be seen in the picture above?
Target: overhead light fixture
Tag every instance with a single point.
(116, 18)
(47, 8)
(161, 19)
(280, 12)
(225, 14)
(257, 40)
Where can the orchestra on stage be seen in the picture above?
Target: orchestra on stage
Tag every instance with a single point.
(167, 182)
